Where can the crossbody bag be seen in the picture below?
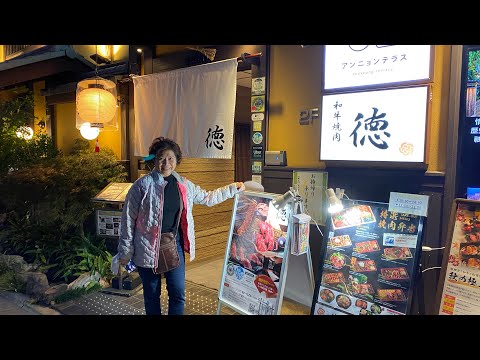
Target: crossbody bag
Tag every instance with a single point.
(168, 257)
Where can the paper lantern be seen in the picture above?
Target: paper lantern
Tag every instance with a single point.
(96, 104)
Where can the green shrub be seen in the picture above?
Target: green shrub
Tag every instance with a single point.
(10, 281)
(15, 152)
(58, 194)
(47, 196)
(76, 293)
(87, 256)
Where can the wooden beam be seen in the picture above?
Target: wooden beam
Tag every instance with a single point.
(40, 70)
(60, 98)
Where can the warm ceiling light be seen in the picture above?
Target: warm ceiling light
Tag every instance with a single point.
(103, 54)
(139, 50)
(96, 103)
(88, 132)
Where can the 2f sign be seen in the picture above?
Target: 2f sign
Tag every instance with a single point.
(308, 116)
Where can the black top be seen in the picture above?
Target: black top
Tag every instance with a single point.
(171, 205)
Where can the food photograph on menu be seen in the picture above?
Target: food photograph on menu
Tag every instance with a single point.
(461, 288)
(254, 264)
(369, 262)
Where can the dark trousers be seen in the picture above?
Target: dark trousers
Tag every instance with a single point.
(175, 287)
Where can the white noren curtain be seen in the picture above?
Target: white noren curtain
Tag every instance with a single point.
(193, 106)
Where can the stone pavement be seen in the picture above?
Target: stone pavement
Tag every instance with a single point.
(202, 282)
(10, 307)
(199, 300)
(12, 303)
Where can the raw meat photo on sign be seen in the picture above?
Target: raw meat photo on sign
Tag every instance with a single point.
(253, 273)
(258, 237)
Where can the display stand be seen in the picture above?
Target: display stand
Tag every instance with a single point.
(259, 289)
(109, 202)
(300, 284)
(369, 261)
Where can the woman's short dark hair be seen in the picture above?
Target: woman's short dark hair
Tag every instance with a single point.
(160, 144)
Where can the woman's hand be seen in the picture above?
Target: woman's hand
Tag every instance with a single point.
(240, 186)
(124, 261)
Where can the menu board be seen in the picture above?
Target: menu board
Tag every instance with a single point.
(113, 192)
(253, 272)
(459, 282)
(108, 222)
(369, 261)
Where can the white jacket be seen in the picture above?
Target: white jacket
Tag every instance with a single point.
(142, 215)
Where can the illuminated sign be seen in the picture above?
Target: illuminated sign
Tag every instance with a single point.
(383, 125)
(365, 65)
(473, 193)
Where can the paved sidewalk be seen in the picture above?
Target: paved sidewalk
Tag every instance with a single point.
(12, 303)
(202, 282)
(200, 300)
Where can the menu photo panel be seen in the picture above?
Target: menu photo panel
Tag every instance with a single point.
(369, 261)
(459, 281)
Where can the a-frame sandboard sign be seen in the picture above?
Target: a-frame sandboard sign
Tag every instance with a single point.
(259, 270)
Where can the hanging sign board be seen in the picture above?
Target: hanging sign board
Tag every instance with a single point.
(348, 66)
(254, 269)
(384, 125)
(459, 281)
(369, 261)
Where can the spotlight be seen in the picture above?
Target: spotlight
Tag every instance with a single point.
(282, 200)
(334, 204)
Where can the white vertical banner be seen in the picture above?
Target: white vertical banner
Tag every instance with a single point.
(193, 106)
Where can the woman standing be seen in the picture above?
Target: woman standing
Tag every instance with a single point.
(158, 203)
